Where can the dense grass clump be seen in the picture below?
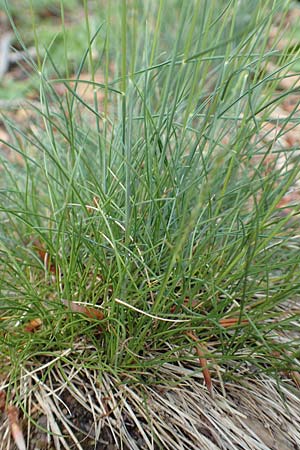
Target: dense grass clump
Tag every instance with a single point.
(142, 224)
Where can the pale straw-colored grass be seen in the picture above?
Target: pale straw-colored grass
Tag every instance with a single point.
(78, 409)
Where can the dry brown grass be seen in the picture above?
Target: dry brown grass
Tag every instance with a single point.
(80, 410)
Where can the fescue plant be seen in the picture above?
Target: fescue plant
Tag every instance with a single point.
(142, 226)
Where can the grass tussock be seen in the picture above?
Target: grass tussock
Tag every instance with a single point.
(149, 261)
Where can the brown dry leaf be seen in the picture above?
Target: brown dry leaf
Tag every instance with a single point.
(33, 325)
(201, 350)
(15, 428)
(92, 313)
(39, 247)
(91, 209)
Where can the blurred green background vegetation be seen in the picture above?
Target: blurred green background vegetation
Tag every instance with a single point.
(41, 21)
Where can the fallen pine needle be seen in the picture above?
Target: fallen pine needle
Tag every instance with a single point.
(148, 314)
(16, 432)
(230, 322)
(2, 401)
(202, 360)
